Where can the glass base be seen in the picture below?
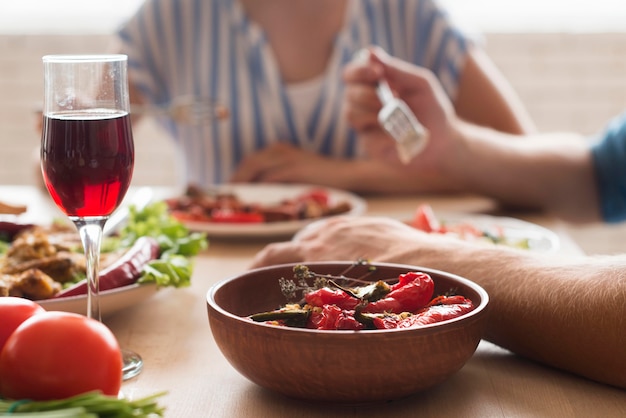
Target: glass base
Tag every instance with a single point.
(133, 364)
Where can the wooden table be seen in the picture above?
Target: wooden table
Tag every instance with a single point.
(171, 332)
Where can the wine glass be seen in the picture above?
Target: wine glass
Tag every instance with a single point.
(87, 153)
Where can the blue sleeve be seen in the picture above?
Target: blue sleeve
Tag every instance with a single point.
(609, 158)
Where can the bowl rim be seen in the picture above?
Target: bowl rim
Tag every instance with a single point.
(482, 306)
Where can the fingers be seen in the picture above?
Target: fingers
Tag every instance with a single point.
(401, 75)
(258, 167)
(361, 101)
(362, 69)
(277, 253)
(361, 106)
(314, 229)
(283, 163)
(313, 243)
(344, 238)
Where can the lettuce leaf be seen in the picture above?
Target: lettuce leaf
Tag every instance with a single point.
(177, 244)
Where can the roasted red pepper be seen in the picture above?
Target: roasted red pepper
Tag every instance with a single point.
(332, 317)
(440, 309)
(235, 216)
(124, 271)
(326, 296)
(412, 292)
(449, 300)
(319, 196)
(8, 230)
(408, 303)
(190, 216)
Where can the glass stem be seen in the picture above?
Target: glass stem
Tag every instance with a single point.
(90, 230)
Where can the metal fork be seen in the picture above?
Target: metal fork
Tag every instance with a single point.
(400, 122)
(188, 110)
(397, 119)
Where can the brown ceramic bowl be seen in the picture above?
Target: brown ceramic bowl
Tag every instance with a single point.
(340, 366)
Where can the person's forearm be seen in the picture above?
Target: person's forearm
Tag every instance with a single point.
(552, 171)
(380, 177)
(570, 315)
(487, 98)
(566, 313)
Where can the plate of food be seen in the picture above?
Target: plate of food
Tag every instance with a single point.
(497, 230)
(45, 262)
(260, 210)
(111, 301)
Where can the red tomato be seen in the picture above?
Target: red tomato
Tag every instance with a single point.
(55, 355)
(14, 311)
(425, 220)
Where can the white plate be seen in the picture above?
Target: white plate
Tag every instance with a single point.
(111, 301)
(539, 239)
(267, 194)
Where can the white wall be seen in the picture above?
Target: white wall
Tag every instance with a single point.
(570, 81)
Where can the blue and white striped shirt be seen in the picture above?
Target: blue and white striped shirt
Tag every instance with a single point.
(609, 159)
(210, 49)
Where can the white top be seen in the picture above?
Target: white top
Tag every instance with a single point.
(303, 98)
(211, 49)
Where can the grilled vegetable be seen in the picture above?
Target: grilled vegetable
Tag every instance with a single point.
(126, 270)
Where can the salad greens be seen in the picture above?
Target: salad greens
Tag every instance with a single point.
(87, 405)
(177, 244)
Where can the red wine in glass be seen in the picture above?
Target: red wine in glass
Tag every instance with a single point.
(87, 154)
(87, 160)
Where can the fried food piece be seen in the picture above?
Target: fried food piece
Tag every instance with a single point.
(47, 249)
(31, 284)
(63, 266)
(4, 285)
(41, 259)
(30, 245)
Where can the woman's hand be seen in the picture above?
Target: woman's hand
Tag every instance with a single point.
(284, 163)
(380, 170)
(418, 87)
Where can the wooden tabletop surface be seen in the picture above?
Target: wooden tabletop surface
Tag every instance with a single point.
(171, 332)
